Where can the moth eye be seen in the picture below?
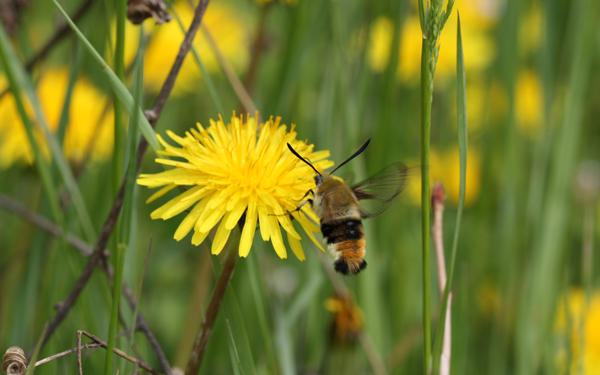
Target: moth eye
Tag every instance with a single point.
(318, 180)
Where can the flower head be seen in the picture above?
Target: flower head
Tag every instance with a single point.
(241, 168)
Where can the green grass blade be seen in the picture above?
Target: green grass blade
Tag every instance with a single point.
(116, 85)
(461, 105)
(36, 351)
(128, 204)
(64, 115)
(209, 83)
(235, 357)
(261, 311)
(120, 129)
(10, 68)
(426, 97)
(234, 317)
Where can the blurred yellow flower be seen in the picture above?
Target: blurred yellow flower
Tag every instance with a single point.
(89, 129)
(380, 44)
(227, 26)
(477, 20)
(348, 318)
(580, 323)
(529, 103)
(241, 168)
(444, 167)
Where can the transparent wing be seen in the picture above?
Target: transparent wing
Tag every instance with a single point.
(377, 192)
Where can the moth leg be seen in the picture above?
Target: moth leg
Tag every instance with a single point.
(307, 194)
(301, 204)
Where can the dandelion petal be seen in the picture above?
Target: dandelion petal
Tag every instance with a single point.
(296, 247)
(221, 237)
(276, 237)
(249, 229)
(235, 214)
(198, 238)
(264, 223)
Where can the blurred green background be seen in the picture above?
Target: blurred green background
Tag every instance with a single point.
(525, 294)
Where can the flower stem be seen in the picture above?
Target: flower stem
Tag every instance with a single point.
(210, 316)
(426, 97)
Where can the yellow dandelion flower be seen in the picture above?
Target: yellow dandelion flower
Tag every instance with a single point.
(88, 132)
(579, 321)
(241, 168)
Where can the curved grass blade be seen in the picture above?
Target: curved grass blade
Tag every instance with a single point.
(461, 106)
(126, 214)
(8, 62)
(116, 85)
(36, 351)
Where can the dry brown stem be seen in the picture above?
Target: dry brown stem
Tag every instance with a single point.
(437, 200)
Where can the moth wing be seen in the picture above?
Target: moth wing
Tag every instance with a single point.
(377, 192)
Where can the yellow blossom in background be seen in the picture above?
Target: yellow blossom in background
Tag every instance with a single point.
(529, 103)
(380, 44)
(444, 167)
(226, 25)
(348, 318)
(477, 20)
(580, 323)
(241, 168)
(89, 131)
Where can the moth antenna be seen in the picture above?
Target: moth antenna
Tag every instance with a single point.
(361, 149)
(301, 158)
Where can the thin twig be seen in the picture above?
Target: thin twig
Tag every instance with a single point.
(437, 198)
(154, 114)
(45, 224)
(97, 343)
(120, 353)
(62, 354)
(210, 316)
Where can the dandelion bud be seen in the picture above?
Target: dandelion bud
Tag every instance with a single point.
(14, 361)
(438, 196)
